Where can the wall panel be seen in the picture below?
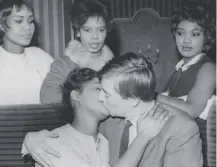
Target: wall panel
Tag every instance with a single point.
(50, 18)
(126, 8)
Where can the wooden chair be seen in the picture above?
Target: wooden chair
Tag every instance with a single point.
(146, 27)
(16, 121)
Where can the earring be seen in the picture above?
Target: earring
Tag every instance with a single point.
(1, 28)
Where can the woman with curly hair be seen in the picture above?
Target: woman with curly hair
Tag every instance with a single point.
(194, 78)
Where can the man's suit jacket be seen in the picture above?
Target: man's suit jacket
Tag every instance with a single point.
(177, 145)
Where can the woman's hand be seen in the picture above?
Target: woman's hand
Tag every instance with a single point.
(151, 123)
(36, 146)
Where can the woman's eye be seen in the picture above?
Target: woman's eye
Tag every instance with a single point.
(18, 21)
(86, 30)
(102, 30)
(179, 33)
(31, 21)
(195, 34)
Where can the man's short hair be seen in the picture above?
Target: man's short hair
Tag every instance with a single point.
(137, 78)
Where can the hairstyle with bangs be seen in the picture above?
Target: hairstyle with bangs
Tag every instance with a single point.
(136, 76)
(6, 7)
(193, 11)
(82, 10)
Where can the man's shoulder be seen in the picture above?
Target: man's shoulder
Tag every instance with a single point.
(180, 123)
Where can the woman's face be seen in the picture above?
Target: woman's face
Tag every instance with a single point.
(93, 33)
(89, 99)
(189, 38)
(20, 28)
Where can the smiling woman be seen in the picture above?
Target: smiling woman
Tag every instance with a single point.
(22, 68)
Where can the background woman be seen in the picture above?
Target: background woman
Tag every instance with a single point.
(194, 80)
(90, 22)
(22, 68)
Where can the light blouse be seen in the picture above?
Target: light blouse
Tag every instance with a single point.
(77, 149)
(21, 75)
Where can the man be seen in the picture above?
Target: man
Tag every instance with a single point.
(128, 84)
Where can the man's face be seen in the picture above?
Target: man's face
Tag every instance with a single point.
(88, 99)
(117, 105)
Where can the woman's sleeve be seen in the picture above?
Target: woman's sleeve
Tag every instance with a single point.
(50, 91)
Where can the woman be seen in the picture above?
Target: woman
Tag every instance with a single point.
(90, 22)
(22, 68)
(194, 80)
(79, 143)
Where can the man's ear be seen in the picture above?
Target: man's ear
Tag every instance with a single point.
(75, 95)
(135, 102)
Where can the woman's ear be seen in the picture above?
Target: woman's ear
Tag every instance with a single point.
(75, 95)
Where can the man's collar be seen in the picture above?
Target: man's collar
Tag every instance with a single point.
(134, 119)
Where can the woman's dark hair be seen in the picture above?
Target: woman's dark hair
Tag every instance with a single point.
(6, 7)
(82, 10)
(75, 81)
(195, 12)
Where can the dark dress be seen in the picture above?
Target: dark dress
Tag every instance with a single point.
(187, 79)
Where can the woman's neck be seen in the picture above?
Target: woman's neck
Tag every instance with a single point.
(187, 59)
(12, 48)
(95, 55)
(86, 124)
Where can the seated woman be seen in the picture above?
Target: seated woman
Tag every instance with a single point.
(80, 143)
(90, 22)
(22, 68)
(194, 80)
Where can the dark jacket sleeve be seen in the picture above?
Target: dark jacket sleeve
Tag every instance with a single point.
(50, 90)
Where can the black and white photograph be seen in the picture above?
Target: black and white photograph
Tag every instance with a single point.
(108, 83)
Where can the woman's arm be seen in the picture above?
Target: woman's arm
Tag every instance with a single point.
(50, 90)
(201, 92)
